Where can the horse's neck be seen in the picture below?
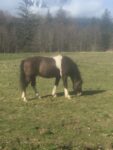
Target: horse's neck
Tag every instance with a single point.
(76, 77)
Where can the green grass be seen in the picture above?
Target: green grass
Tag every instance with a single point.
(82, 123)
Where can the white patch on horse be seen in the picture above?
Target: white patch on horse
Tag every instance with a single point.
(58, 60)
(66, 93)
(54, 91)
(24, 96)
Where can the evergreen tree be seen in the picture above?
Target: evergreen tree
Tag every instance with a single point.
(106, 30)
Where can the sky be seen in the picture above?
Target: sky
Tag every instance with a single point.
(81, 8)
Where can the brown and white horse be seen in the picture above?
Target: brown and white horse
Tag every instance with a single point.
(50, 67)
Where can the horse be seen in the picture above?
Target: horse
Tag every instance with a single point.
(50, 67)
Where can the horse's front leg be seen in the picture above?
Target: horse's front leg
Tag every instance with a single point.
(66, 93)
(55, 86)
(33, 84)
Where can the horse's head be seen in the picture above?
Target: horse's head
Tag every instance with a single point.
(77, 87)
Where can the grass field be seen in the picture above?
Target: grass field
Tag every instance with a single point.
(82, 123)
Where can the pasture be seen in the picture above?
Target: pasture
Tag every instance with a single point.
(82, 123)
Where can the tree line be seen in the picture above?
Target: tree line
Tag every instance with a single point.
(34, 33)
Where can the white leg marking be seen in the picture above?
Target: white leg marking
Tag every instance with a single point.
(54, 91)
(37, 95)
(24, 97)
(66, 93)
(58, 60)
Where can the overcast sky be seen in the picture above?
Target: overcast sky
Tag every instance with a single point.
(76, 7)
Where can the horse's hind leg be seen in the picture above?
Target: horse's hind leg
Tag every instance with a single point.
(55, 86)
(24, 86)
(64, 78)
(33, 84)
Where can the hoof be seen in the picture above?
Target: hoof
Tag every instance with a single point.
(25, 100)
(54, 95)
(37, 95)
(68, 97)
(79, 94)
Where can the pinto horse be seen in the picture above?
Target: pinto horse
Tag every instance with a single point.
(50, 67)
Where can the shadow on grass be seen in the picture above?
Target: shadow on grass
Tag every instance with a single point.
(84, 93)
(92, 92)
(45, 96)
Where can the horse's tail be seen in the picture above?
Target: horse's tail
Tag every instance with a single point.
(22, 76)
